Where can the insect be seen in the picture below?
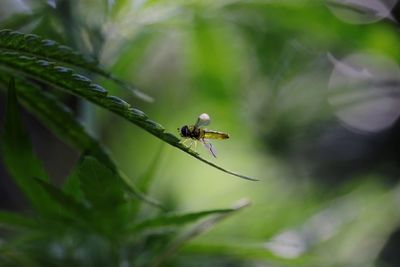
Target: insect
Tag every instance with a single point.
(196, 133)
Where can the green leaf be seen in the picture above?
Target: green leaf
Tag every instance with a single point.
(100, 186)
(144, 181)
(178, 219)
(197, 230)
(62, 122)
(136, 191)
(49, 50)
(16, 221)
(69, 207)
(72, 184)
(59, 118)
(67, 80)
(147, 178)
(18, 157)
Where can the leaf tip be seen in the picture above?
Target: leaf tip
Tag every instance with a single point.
(142, 96)
(241, 203)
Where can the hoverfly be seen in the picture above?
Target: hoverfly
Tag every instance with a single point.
(195, 133)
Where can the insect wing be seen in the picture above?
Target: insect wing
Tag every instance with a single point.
(207, 144)
(203, 120)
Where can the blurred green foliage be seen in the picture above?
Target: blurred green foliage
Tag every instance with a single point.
(328, 196)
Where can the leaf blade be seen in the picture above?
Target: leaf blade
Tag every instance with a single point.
(62, 123)
(198, 229)
(18, 156)
(177, 219)
(50, 50)
(68, 203)
(71, 82)
(16, 221)
(99, 185)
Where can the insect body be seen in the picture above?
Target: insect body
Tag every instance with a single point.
(195, 133)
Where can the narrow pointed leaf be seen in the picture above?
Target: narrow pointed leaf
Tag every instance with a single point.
(72, 185)
(62, 122)
(16, 221)
(59, 118)
(69, 210)
(18, 156)
(195, 231)
(49, 50)
(66, 202)
(103, 188)
(138, 193)
(100, 186)
(147, 178)
(69, 81)
(178, 219)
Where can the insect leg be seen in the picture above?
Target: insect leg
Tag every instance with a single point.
(191, 143)
(184, 141)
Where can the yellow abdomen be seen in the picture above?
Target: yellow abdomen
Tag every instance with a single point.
(209, 134)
